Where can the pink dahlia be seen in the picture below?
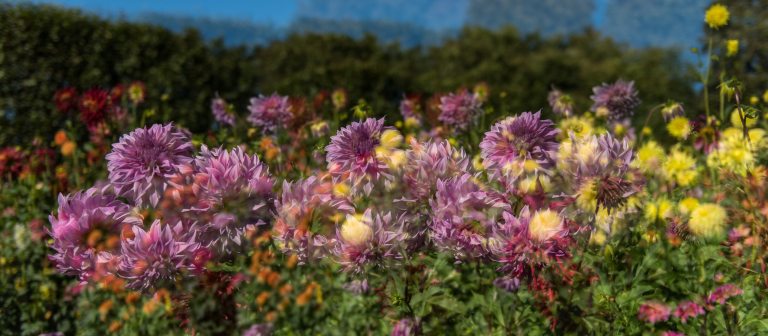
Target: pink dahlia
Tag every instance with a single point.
(516, 142)
(459, 110)
(352, 153)
(236, 193)
(157, 257)
(428, 162)
(619, 99)
(688, 309)
(87, 231)
(307, 213)
(653, 312)
(141, 163)
(270, 113)
(723, 293)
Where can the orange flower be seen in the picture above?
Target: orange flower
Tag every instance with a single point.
(104, 308)
(60, 138)
(262, 298)
(115, 326)
(292, 261)
(132, 297)
(68, 148)
(286, 289)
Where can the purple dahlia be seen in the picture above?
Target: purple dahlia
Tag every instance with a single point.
(304, 205)
(459, 110)
(352, 153)
(368, 240)
(521, 254)
(87, 230)
(462, 213)
(428, 162)
(518, 143)
(270, 113)
(221, 112)
(262, 329)
(405, 327)
(618, 99)
(601, 166)
(236, 194)
(158, 256)
(560, 103)
(409, 107)
(141, 163)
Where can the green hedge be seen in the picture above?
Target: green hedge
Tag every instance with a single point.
(45, 48)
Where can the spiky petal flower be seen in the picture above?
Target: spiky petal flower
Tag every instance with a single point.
(141, 163)
(221, 112)
(560, 103)
(405, 327)
(522, 251)
(688, 309)
(237, 196)
(601, 168)
(653, 312)
(65, 99)
(88, 226)
(462, 214)
(352, 153)
(368, 240)
(409, 107)
(459, 110)
(518, 144)
(428, 162)
(270, 113)
(307, 213)
(619, 99)
(723, 293)
(93, 106)
(263, 329)
(158, 256)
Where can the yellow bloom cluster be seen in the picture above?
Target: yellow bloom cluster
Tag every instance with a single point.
(649, 157)
(388, 151)
(735, 153)
(708, 221)
(680, 168)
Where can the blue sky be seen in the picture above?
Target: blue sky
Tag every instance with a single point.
(278, 12)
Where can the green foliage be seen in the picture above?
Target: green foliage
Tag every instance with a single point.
(46, 48)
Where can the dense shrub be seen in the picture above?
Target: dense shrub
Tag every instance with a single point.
(46, 48)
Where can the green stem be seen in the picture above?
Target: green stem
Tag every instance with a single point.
(705, 80)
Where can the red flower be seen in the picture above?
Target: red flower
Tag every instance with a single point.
(93, 106)
(65, 99)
